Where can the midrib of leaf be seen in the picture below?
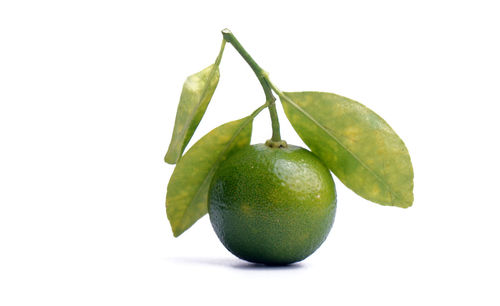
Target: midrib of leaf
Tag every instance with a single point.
(392, 193)
(218, 160)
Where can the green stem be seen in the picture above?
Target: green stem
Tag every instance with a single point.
(262, 76)
(276, 90)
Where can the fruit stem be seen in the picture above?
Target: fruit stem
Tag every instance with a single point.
(262, 76)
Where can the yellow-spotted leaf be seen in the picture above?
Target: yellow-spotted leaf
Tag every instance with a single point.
(196, 93)
(187, 191)
(360, 148)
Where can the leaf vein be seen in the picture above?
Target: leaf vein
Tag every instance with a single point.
(334, 137)
(212, 169)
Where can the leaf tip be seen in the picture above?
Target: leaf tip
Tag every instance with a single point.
(176, 233)
(176, 229)
(171, 158)
(407, 203)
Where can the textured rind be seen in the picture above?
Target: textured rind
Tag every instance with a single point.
(272, 206)
(187, 189)
(358, 146)
(196, 93)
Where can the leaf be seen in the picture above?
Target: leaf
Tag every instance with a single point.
(196, 93)
(355, 143)
(187, 191)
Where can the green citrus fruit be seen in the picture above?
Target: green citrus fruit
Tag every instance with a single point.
(272, 205)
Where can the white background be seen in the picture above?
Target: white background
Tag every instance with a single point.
(88, 93)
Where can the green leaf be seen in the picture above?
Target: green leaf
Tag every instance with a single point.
(355, 143)
(196, 93)
(187, 191)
